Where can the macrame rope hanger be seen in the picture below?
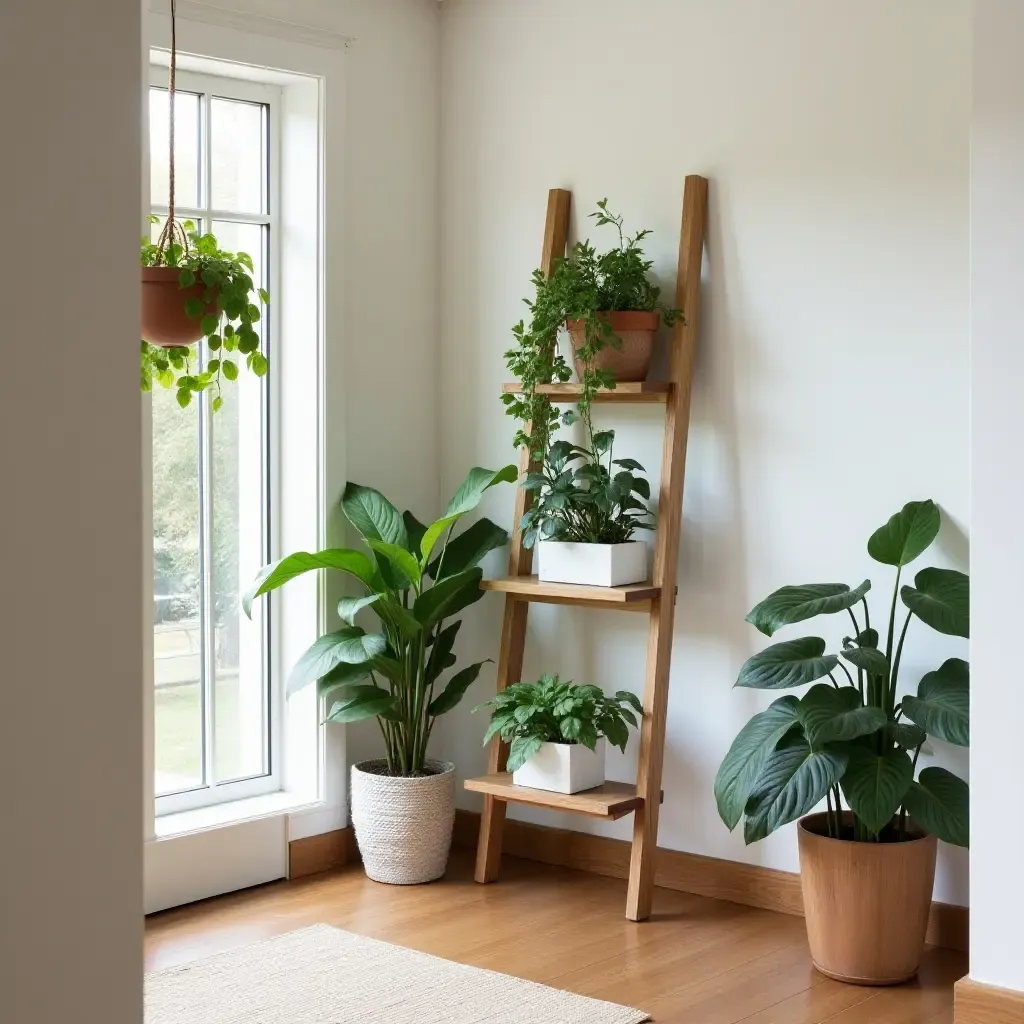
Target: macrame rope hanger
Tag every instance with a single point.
(171, 228)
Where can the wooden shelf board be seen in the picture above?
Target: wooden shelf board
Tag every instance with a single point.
(609, 800)
(634, 597)
(641, 391)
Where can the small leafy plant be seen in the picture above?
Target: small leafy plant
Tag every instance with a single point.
(855, 738)
(581, 497)
(228, 281)
(528, 715)
(416, 579)
(582, 285)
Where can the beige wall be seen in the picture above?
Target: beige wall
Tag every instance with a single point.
(832, 372)
(70, 514)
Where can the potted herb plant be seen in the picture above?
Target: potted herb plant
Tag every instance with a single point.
(588, 506)
(193, 290)
(557, 731)
(866, 871)
(611, 309)
(416, 579)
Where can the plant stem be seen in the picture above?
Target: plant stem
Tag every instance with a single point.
(903, 809)
(829, 819)
(856, 625)
(867, 614)
(892, 615)
(846, 671)
(896, 664)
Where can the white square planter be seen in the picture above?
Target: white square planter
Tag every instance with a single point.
(563, 768)
(596, 565)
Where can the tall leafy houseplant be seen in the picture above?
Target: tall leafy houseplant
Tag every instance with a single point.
(854, 737)
(584, 287)
(416, 578)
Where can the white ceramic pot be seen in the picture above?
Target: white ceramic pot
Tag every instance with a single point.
(563, 768)
(403, 825)
(596, 565)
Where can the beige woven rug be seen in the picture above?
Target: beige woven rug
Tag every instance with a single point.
(322, 975)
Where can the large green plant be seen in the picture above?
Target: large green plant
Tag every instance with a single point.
(854, 737)
(582, 285)
(416, 579)
(228, 281)
(528, 715)
(582, 497)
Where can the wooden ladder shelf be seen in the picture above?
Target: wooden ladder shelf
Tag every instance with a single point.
(657, 598)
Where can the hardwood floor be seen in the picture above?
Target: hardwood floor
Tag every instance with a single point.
(697, 960)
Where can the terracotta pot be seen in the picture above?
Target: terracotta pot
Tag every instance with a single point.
(636, 330)
(164, 320)
(866, 904)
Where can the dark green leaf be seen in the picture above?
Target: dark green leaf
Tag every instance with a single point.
(448, 596)
(942, 706)
(603, 440)
(441, 656)
(404, 564)
(229, 369)
(829, 715)
(362, 702)
(472, 489)
(466, 550)
(906, 535)
(186, 279)
(941, 600)
(747, 756)
(793, 780)
(344, 674)
(209, 324)
(794, 604)
(374, 516)
(521, 750)
(350, 644)
(787, 664)
(194, 308)
(349, 607)
(414, 530)
(450, 696)
(907, 735)
(940, 803)
(392, 612)
(875, 785)
(278, 573)
(873, 661)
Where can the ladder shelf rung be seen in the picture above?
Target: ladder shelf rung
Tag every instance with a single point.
(609, 800)
(634, 597)
(647, 391)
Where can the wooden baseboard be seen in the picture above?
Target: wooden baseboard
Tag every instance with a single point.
(314, 854)
(748, 884)
(976, 1003)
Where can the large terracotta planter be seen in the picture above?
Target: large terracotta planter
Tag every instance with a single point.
(866, 904)
(635, 329)
(403, 825)
(164, 320)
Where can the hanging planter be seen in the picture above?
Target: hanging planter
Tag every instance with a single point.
(192, 290)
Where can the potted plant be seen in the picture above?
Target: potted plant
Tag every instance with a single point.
(588, 506)
(866, 871)
(611, 309)
(193, 290)
(416, 578)
(557, 731)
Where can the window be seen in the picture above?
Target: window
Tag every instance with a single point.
(216, 714)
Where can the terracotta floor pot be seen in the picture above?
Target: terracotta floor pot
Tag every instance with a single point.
(633, 361)
(866, 904)
(164, 320)
(403, 825)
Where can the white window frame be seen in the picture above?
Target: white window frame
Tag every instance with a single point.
(208, 86)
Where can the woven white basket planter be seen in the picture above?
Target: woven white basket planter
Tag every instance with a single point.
(403, 825)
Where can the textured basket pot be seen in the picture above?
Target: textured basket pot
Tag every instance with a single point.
(636, 330)
(563, 768)
(164, 320)
(403, 825)
(595, 565)
(866, 904)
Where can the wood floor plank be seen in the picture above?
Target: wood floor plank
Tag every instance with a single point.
(696, 961)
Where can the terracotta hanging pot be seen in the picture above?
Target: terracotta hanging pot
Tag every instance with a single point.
(866, 904)
(636, 329)
(164, 320)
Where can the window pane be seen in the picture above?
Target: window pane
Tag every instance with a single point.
(238, 164)
(237, 472)
(186, 147)
(177, 635)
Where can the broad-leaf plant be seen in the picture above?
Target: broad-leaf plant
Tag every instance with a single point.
(528, 715)
(229, 335)
(416, 578)
(851, 736)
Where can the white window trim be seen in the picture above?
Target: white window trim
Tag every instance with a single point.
(187, 858)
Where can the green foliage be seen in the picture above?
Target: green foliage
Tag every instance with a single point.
(229, 334)
(855, 738)
(527, 715)
(582, 285)
(413, 596)
(581, 495)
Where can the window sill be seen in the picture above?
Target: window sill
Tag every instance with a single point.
(169, 826)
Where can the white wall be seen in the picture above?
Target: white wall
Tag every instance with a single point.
(832, 370)
(997, 425)
(70, 514)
